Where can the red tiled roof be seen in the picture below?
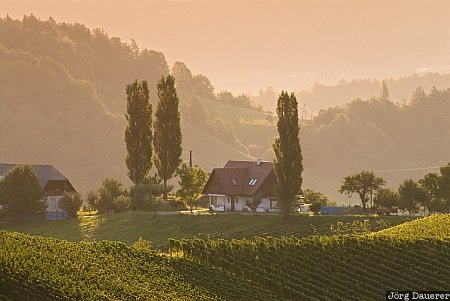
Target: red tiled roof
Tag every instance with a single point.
(234, 179)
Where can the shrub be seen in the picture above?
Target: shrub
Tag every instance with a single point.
(71, 202)
(122, 203)
(315, 207)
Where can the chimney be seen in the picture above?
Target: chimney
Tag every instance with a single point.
(258, 161)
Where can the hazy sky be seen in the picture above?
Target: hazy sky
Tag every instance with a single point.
(247, 45)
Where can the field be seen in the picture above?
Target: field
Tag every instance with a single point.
(412, 255)
(128, 227)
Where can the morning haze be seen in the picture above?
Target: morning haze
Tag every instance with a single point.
(224, 150)
(244, 46)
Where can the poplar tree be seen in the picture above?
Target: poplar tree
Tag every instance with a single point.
(288, 163)
(167, 140)
(138, 134)
(384, 95)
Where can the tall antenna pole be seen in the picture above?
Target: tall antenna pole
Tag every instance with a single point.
(190, 158)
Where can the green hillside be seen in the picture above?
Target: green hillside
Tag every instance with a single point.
(344, 267)
(62, 92)
(437, 226)
(36, 268)
(63, 102)
(158, 228)
(336, 267)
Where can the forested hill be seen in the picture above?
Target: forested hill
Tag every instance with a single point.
(397, 141)
(108, 64)
(62, 102)
(322, 96)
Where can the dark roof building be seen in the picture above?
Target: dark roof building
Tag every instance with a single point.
(50, 179)
(242, 178)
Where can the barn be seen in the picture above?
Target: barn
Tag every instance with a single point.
(53, 183)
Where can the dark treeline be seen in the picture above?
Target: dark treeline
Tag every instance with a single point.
(322, 96)
(107, 63)
(63, 100)
(379, 134)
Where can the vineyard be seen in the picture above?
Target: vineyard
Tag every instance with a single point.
(35, 268)
(437, 226)
(335, 267)
(413, 255)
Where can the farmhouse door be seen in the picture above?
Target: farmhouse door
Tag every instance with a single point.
(233, 200)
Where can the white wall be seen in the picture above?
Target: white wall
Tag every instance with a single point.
(240, 203)
(53, 203)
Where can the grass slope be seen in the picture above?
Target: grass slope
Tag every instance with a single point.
(36, 268)
(361, 267)
(128, 227)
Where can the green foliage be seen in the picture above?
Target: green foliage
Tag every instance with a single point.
(80, 73)
(167, 136)
(315, 207)
(110, 190)
(142, 195)
(254, 202)
(138, 134)
(93, 200)
(387, 198)
(412, 196)
(335, 267)
(437, 187)
(36, 268)
(312, 197)
(143, 245)
(20, 191)
(128, 226)
(71, 202)
(192, 181)
(288, 163)
(121, 203)
(434, 226)
(364, 183)
(379, 133)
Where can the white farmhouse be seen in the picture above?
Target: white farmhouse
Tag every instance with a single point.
(230, 187)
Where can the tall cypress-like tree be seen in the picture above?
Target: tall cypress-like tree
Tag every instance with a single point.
(384, 95)
(288, 163)
(138, 134)
(167, 141)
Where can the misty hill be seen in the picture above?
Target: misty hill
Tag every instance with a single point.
(62, 102)
(397, 141)
(323, 96)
